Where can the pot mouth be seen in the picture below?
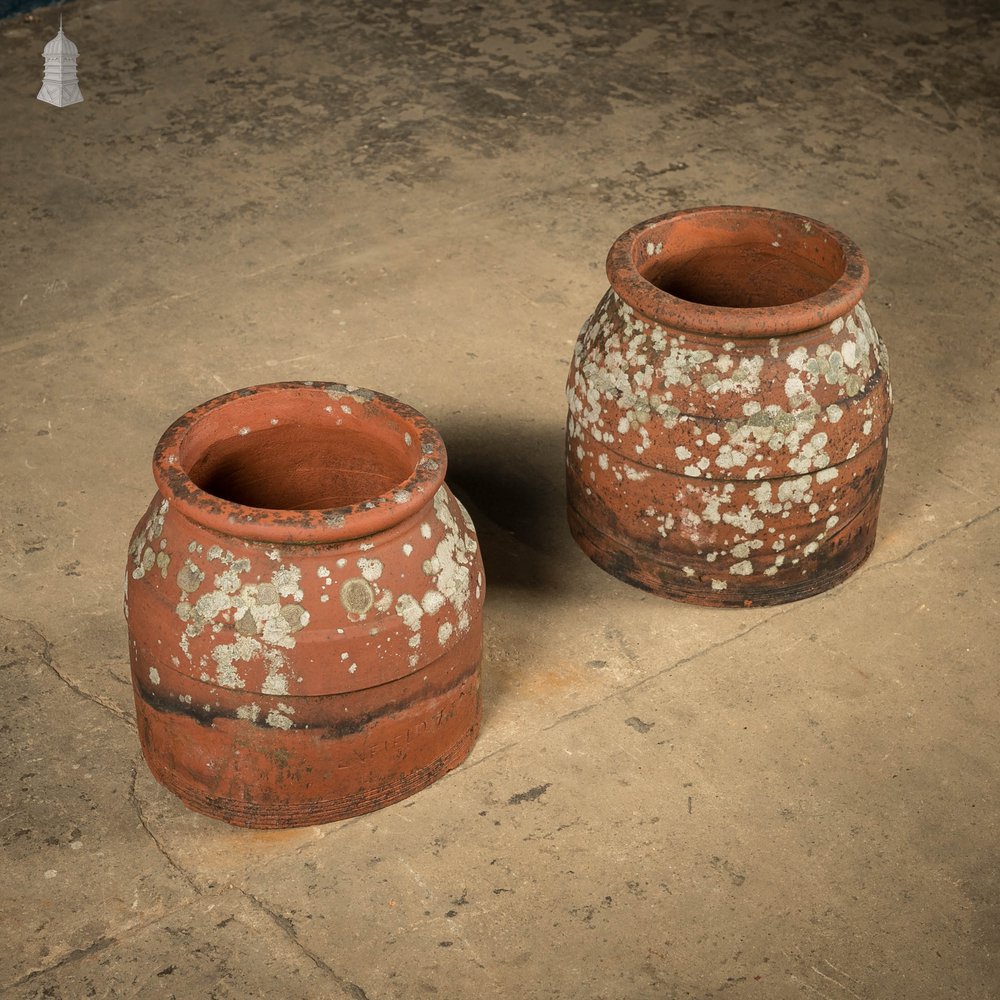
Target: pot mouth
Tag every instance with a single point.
(300, 462)
(737, 271)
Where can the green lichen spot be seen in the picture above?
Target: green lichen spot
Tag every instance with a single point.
(190, 577)
(247, 625)
(357, 596)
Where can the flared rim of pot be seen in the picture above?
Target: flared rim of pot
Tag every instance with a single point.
(737, 271)
(300, 463)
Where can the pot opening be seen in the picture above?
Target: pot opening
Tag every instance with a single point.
(300, 467)
(760, 261)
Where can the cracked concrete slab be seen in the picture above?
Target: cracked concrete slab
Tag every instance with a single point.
(80, 868)
(224, 946)
(420, 199)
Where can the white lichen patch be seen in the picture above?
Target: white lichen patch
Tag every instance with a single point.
(712, 500)
(249, 712)
(162, 561)
(741, 550)
(795, 491)
(743, 380)
(279, 717)
(408, 608)
(745, 519)
(449, 569)
(371, 569)
(287, 580)
(142, 550)
(455, 555)
(259, 622)
(682, 365)
(811, 454)
(432, 602)
(229, 580)
(730, 458)
(228, 655)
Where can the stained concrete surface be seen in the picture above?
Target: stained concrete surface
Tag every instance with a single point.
(665, 801)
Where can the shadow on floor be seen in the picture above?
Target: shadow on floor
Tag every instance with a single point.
(511, 480)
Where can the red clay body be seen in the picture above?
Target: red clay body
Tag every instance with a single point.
(729, 405)
(304, 603)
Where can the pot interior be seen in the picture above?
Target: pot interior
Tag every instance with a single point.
(746, 262)
(300, 466)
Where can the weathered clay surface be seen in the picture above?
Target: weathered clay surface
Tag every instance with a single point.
(729, 406)
(315, 655)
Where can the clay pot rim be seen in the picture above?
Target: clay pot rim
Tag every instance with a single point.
(304, 527)
(732, 322)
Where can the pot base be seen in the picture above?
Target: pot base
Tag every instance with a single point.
(253, 775)
(650, 571)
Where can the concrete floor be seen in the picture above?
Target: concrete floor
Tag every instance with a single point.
(793, 802)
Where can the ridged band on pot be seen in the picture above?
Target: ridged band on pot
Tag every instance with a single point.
(304, 602)
(729, 404)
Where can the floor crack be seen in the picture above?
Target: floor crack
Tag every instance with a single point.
(954, 530)
(286, 926)
(622, 691)
(119, 938)
(783, 610)
(47, 657)
(75, 955)
(137, 806)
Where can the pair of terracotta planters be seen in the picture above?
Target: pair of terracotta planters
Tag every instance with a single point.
(304, 595)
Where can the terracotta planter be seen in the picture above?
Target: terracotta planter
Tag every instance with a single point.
(728, 410)
(304, 603)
